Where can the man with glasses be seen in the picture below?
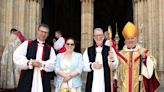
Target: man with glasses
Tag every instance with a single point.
(36, 59)
(96, 64)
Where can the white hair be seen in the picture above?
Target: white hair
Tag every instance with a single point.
(98, 29)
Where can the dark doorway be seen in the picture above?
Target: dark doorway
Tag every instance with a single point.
(108, 12)
(64, 15)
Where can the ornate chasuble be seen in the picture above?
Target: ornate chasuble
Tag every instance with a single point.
(129, 71)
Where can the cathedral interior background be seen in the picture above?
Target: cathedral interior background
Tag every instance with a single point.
(78, 18)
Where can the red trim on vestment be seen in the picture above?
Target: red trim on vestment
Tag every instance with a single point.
(122, 57)
(130, 71)
(43, 60)
(138, 57)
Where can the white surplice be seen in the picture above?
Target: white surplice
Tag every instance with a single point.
(21, 60)
(98, 84)
(59, 43)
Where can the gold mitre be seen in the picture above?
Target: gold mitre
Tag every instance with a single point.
(129, 30)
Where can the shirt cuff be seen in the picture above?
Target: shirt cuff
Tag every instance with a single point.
(43, 65)
(29, 64)
(92, 68)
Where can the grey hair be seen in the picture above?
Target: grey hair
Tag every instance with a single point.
(98, 29)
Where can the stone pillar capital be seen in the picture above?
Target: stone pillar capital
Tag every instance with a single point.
(34, 0)
(87, 1)
(136, 1)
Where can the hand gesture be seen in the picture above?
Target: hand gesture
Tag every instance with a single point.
(140, 78)
(67, 77)
(35, 63)
(96, 65)
(54, 40)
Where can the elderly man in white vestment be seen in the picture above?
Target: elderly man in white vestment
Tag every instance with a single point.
(96, 63)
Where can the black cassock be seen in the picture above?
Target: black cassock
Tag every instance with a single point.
(92, 56)
(26, 77)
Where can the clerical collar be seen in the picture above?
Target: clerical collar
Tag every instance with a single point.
(132, 49)
(42, 42)
(99, 46)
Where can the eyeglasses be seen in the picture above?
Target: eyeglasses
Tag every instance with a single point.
(100, 35)
(70, 44)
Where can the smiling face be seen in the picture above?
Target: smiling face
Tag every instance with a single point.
(98, 36)
(42, 33)
(131, 42)
(70, 45)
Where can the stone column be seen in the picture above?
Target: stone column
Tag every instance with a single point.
(3, 21)
(145, 23)
(0, 19)
(26, 25)
(0, 26)
(87, 23)
(6, 7)
(145, 12)
(141, 20)
(87, 9)
(24, 15)
(19, 15)
(161, 41)
(3, 5)
(32, 17)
